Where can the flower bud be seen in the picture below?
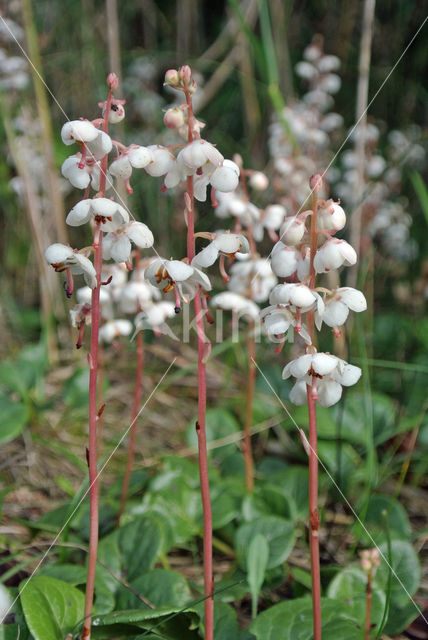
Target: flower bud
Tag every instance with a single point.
(112, 81)
(292, 231)
(185, 73)
(315, 182)
(172, 78)
(174, 118)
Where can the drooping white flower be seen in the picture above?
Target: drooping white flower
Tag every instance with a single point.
(328, 373)
(62, 257)
(109, 215)
(162, 162)
(333, 254)
(79, 178)
(338, 305)
(283, 260)
(177, 276)
(78, 131)
(114, 329)
(117, 244)
(296, 294)
(278, 319)
(154, 317)
(233, 204)
(292, 231)
(84, 297)
(331, 217)
(196, 155)
(101, 146)
(226, 177)
(229, 301)
(227, 244)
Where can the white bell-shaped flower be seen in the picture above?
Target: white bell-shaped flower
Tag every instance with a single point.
(333, 254)
(177, 276)
(101, 146)
(140, 157)
(226, 177)
(299, 295)
(162, 162)
(62, 257)
(196, 154)
(337, 306)
(121, 168)
(109, 215)
(331, 217)
(78, 131)
(283, 260)
(311, 364)
(252, 274)
(227, 244)
(292, 231)
(84, 297)
(117, 244)
(79, 178)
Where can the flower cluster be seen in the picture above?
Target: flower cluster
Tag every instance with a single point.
(298, 257)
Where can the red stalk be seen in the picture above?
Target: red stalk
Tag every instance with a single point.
(313, 457)
(92, 452)
(135, 408)
(93, 411)
(251, 380)
(202, 402)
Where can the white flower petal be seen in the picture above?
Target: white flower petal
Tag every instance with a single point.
(335, 314)
(78, 130)
(79, 214)
(58, 253)
(179, 271)
(323, 363)
(140, 157)
(349, 375)
(121, 168)
(353, 298)
(300, 367)
(207, 256)
(140, 234)
(329, 392)
(298, 394)
(120, 249)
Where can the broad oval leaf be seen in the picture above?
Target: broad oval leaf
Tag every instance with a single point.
(278, 532)
(52, 608)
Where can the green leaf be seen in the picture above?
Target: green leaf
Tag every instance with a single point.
(71, 573)
(295, 483)
(400, 617)
(160, 586)
(52, 608)
(257, 559)
(398, 521)
(268, 499)
(350, 585)
(292, 620)
(421, 191)
(406, 572)
(139, 542)
(14, 417)
(278, 532)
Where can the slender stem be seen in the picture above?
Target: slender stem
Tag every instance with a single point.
(251, 380)
(313, 456)
(92, 452)
(135, 407)
(367, 625)
(202, 403)
(314, 522)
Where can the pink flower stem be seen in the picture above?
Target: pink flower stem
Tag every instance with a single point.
(202, 402)
(313, 457)
(251, 381)
(135, 408)
(92, 452)
(93, 411)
